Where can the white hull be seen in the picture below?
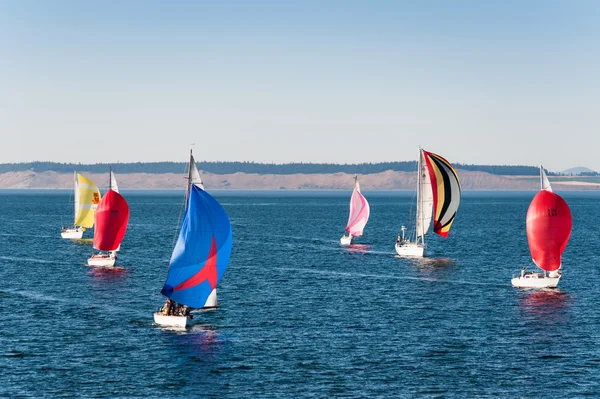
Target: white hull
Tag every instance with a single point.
(211, 302)
(410, 249)
(102, 260)
(535, 280)
(170, 321)
(74, 234)
(346, 240)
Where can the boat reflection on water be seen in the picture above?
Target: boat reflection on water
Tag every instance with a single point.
(549, 305)
(83, 241)
(108, 273)
(433, 263)
(358, 248)
(199, 340)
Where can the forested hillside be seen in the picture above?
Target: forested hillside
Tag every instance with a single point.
(259, 168)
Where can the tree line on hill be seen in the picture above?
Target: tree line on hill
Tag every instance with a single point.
(258, 168)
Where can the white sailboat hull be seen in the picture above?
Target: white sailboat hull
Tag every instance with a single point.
(410, 249)
(535, 280)
(103, 260)
(346, 240)
(170, 321)
(74, 234)
(211, 302)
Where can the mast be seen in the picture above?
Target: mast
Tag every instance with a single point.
(75, 195)
(189, 178)
(541, 177)
(110, 177)
(419, 199)
(355, 181)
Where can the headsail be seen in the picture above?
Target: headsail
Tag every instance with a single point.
(87, 198)
(544, 180)
(549, 225)
(113, 182)
(202, 251)
(445, 188)
(359, 212)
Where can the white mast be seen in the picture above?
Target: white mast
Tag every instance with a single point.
(75, 197)
(189, 178)
(419, 205)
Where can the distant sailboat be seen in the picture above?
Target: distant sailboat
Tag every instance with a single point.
(358, 217)
(438, 196)
(549, 224)
(86, 198)
(200, 256)
(111, 220)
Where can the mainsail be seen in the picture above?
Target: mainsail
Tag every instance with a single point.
(194, 175)
(445, 189)
(549, 225)
(359, 212)
(87, 198)
(202, 251)
(111, 219)
(544, 180)
(424, 197)
(112, 185)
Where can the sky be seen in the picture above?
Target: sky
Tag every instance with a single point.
(478, 82)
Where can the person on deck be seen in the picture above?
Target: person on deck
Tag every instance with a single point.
(168, 308)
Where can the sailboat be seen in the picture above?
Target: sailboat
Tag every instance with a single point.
(111, 220)
(200, 256)
(358, 217)
(86, 197)
(438, 197)
(548, 225)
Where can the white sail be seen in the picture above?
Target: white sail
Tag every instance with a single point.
(424, 197)
(544, 180)
(194, 174)
(113, 182)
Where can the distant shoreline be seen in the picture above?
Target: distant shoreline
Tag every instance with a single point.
(387, 180)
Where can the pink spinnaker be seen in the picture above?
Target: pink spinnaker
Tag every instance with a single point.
(359, 213)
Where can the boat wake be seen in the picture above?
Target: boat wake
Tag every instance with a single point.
(36, 296)
(387, 276)
(18, 259)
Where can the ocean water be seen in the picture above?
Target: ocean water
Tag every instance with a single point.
(299, 315)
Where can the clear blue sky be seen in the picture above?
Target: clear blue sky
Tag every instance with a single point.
(487, 82)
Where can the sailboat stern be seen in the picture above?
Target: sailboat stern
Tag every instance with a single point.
(410, 249)
(170, 321)
(346, 239)
(103, 260)
(73, 233)
(536, 280)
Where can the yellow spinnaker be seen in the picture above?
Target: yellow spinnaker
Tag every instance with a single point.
(87, 197)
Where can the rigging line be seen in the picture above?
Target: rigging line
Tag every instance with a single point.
(181, 211)
(412, 215)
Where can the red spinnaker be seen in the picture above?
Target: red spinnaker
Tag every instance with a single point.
(548, 229)
(110, 220)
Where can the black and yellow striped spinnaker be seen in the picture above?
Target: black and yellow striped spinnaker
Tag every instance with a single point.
(445, 187)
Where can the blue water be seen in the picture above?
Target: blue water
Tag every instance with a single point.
(299, 315)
